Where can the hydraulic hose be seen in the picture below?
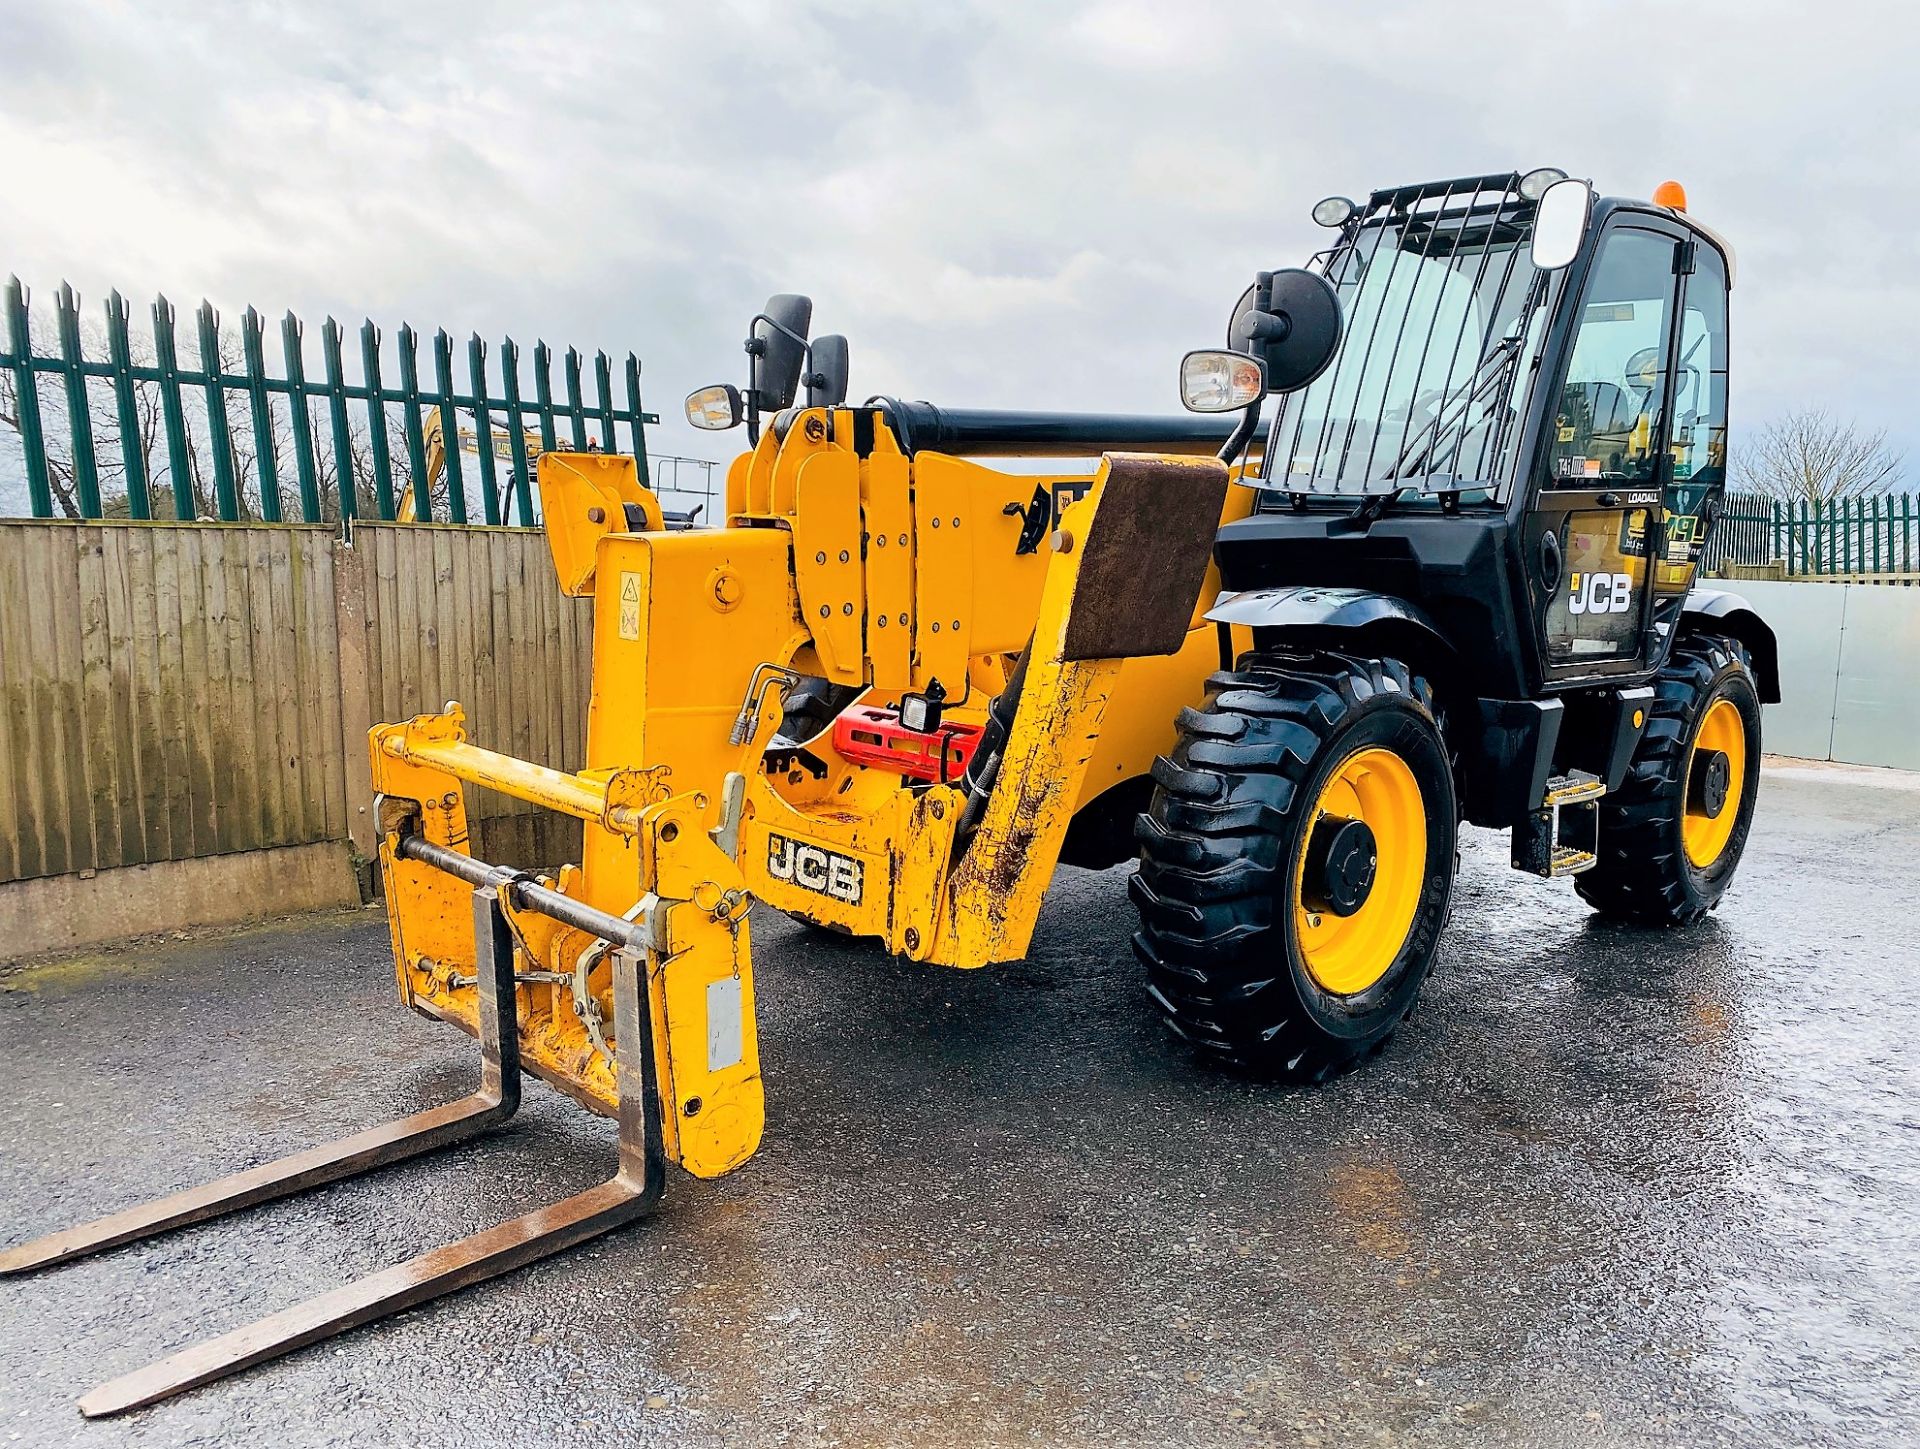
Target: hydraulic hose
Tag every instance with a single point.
(984, 768)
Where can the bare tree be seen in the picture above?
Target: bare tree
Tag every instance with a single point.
(103, 415)
(1810, 456)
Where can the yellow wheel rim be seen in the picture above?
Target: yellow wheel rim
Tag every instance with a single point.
(1705, 836)
(1347, 954)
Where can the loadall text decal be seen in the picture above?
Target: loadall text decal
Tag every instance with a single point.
(824, 872)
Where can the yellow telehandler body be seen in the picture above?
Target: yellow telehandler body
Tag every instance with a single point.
(899, 686)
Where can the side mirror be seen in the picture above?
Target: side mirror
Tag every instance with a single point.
(778, 347)
(1560, 222)
(826, 378)
(1289, 321)
(716, 408)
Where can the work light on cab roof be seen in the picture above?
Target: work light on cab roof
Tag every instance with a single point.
(1332, 211)
(1534, 184)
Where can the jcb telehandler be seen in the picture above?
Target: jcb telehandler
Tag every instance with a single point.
(1451, 578)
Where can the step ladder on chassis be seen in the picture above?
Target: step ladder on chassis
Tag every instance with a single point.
(1562, 837)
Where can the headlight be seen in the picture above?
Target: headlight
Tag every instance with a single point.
(715, 408)
(921, 712)
(1219, 382)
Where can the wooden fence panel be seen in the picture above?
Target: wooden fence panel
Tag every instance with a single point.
(476, 615)
(169, 691)
(165, 692)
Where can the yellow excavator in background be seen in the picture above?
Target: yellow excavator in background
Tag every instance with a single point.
(433, 435)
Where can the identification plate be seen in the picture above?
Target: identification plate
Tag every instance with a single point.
(725, 1036)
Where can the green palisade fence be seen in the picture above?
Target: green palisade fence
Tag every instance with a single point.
(108, 425)
(1875, 536)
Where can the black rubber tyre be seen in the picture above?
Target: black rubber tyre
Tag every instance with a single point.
(1222, 854)
(810, 707)
(1644, 874)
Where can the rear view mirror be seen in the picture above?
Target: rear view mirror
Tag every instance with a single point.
(1290, 322)
(826, 377)
(778, 348)
(1559, 223)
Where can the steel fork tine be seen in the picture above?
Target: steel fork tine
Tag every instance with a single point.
(496, 1100)
(630, 1193)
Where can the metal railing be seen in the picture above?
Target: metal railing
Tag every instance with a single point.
(686, 485)
(1743, 534)
(1869, 539)
(131, 431)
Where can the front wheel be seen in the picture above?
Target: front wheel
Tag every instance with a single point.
(1672, 835)
(1296, 862)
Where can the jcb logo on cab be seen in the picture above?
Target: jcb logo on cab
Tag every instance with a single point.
(1600, 594)
(824, 872)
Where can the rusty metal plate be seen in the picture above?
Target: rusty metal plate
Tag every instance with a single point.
(1145, 556)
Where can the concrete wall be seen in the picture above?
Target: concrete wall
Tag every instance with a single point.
(98, 908)
(1849, 671)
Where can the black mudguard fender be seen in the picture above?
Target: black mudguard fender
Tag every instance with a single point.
(1337, 618)
(1718, 611)
(1307, 606)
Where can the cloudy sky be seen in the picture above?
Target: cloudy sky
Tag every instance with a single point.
(1016, 204)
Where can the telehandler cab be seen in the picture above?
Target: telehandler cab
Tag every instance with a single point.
(1452, 577)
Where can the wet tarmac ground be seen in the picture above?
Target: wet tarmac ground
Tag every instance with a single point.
(1607, 1187)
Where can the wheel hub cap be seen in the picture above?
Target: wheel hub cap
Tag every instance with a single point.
(1342, 857)
(1712, 775)
(1358, 877)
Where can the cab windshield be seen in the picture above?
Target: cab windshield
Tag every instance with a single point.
(1442, 307)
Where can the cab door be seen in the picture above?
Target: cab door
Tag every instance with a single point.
(1596, 526)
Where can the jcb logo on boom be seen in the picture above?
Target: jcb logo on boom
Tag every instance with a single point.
(1599, 593)
(824, 872)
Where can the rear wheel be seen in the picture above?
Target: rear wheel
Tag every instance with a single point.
(1296, 861)
(1672, 835)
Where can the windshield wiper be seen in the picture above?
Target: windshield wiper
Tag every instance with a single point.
(1486, 380)
(1363, 517)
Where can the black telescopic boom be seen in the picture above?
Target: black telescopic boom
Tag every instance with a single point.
(992, 432)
